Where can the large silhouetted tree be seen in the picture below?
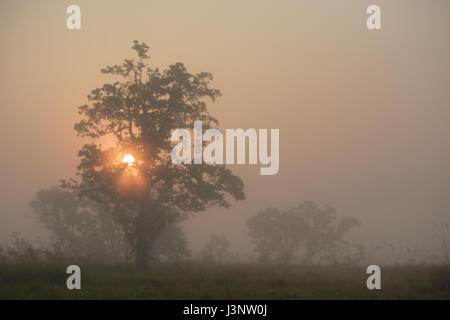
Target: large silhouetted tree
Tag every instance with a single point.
(140, 110)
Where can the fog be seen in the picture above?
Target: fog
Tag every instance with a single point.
(363, 115)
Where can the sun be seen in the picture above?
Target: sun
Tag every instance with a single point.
(128, 158)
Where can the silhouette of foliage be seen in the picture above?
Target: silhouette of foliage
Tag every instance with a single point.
(309, 229)
(139, 111)
(216, 249)
(85, 230)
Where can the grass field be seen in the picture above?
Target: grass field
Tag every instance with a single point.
(200, 281)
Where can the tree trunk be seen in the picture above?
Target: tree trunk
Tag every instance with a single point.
(141, 259)
(142, 239)
(148, 225)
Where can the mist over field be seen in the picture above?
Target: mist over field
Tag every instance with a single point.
(363, 116)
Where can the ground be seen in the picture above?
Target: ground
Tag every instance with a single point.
(201, 281)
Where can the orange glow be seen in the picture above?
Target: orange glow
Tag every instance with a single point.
(128, 159)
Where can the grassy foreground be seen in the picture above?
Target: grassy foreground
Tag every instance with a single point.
(199, 281)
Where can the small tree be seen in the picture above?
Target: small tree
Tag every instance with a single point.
(216, 249)
(140, 110)
(80, 228)
(280, 235)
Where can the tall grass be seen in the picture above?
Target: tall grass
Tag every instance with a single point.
(231, 281)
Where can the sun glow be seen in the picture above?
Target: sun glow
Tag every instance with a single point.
(128, 159)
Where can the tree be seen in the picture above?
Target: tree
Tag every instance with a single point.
(139, 110)
(170, 245)
(216, 249)
(80, 228)
(280, 235)
(84, 229)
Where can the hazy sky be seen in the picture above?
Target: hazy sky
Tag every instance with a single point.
(363, 115)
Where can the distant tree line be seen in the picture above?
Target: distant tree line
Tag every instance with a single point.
(307, 234)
